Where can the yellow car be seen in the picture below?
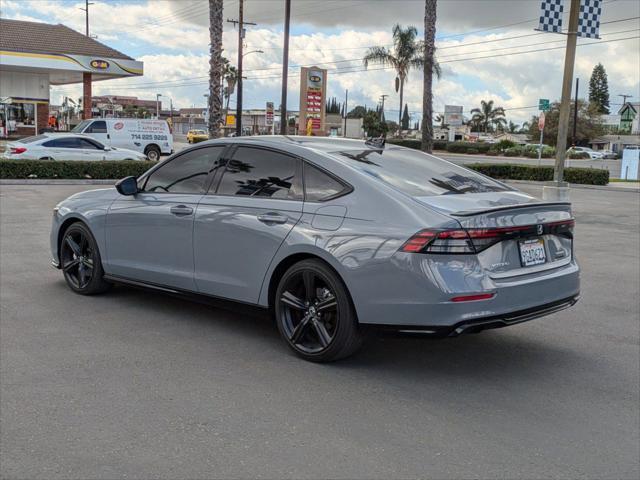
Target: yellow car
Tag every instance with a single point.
(195, 136)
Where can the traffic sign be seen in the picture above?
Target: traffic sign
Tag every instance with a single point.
(543, 104)
(541, 121)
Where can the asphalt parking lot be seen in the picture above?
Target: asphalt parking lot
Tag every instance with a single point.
(134, 384)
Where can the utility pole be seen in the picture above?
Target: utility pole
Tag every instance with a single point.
(86, 15)
(382, 98)
(240, 23)
(565, 101)
(346, 110)
(624, 98)
(575, 113)
(285, 68)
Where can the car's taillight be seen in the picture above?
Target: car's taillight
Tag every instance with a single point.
(17, 150)
(474, 240)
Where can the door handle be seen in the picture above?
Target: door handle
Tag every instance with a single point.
(181, 210)
(272, 218)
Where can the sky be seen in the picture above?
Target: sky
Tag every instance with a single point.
(488, 49)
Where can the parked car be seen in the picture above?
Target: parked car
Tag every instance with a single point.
(195, 136)
(66, 146)
(329, 235)
(609, 154)
(151, 137)
(593, 154)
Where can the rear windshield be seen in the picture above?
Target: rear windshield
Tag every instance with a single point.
(418, 174)
(32, 139)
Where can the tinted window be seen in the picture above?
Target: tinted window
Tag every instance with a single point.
(184, 174)
(99, 126)
(418, 174)
(66, 142)
(84, 143)
(79, 127)
(319, 186)
(255, 172)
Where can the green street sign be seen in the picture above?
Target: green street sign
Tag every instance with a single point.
(543, 104)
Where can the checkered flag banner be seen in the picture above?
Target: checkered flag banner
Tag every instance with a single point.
(551, 16)
(589, 19)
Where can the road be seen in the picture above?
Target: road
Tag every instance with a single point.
(140, 385)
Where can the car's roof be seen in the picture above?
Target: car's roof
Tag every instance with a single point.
(324, 144)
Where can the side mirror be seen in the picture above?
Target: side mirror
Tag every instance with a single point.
(127, 186)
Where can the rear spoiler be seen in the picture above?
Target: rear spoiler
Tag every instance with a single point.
(468, 213)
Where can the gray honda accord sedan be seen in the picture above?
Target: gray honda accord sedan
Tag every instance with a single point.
(329, 235)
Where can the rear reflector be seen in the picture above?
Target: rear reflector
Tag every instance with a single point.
(17, 150)
(473, 298)
(475, 240)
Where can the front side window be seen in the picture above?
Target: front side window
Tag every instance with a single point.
(99, 126)
(320, 186)
(184, 174)
(254, 172)
(89, 144)
(418, 174)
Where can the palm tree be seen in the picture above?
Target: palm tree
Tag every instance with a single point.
(488, 115)
(215, 67)
(431, 66)
(230, 77)
(513, 128)
(407, 53)
(439, 119)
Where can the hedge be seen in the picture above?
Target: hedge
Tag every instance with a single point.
(463, 147)
(72, 169)
(585, 176)
(417, 144)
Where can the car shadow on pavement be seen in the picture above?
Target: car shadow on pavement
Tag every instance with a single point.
(519, 352)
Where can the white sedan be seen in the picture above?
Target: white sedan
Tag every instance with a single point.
(593, 155)
(66, 146)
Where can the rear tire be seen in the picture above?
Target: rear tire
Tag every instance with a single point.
(153, 153)
(80, 261)
(314, 313)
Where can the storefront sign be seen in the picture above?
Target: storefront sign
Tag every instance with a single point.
(269, 115)
(99, 64)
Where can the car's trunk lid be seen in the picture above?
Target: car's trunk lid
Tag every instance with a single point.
(524, 235)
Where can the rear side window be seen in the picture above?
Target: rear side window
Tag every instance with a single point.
(184, 174)
(99, 126)
(255, 172)
(68, 142)
(320, 186)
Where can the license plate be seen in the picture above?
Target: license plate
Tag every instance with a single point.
(532, 252)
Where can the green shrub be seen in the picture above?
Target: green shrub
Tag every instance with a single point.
(547, 152)
(417, 144)
(502, 145)
(72, 169)
(493, 151)
(513, 152)
(472, 151)
(462, 147)
(586, 176)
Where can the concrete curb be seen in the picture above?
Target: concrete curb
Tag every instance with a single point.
(634, 189)
(44, 181)
(54, 181)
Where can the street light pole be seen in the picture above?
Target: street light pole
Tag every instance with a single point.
(158, 95)
(285, 68)
(575, 114)
(565, 101)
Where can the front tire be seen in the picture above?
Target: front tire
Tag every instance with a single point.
(314, 313)
(80, 261)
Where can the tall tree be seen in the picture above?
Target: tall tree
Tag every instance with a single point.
(405, 118)
(599, 89)
(407, 53)
(589, 123)
(487, 115)
(429, 66)
(216, 65)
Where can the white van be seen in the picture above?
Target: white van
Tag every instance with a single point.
(151, 137)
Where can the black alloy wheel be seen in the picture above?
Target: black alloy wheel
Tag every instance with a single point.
(314, 313)
(80, 261)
